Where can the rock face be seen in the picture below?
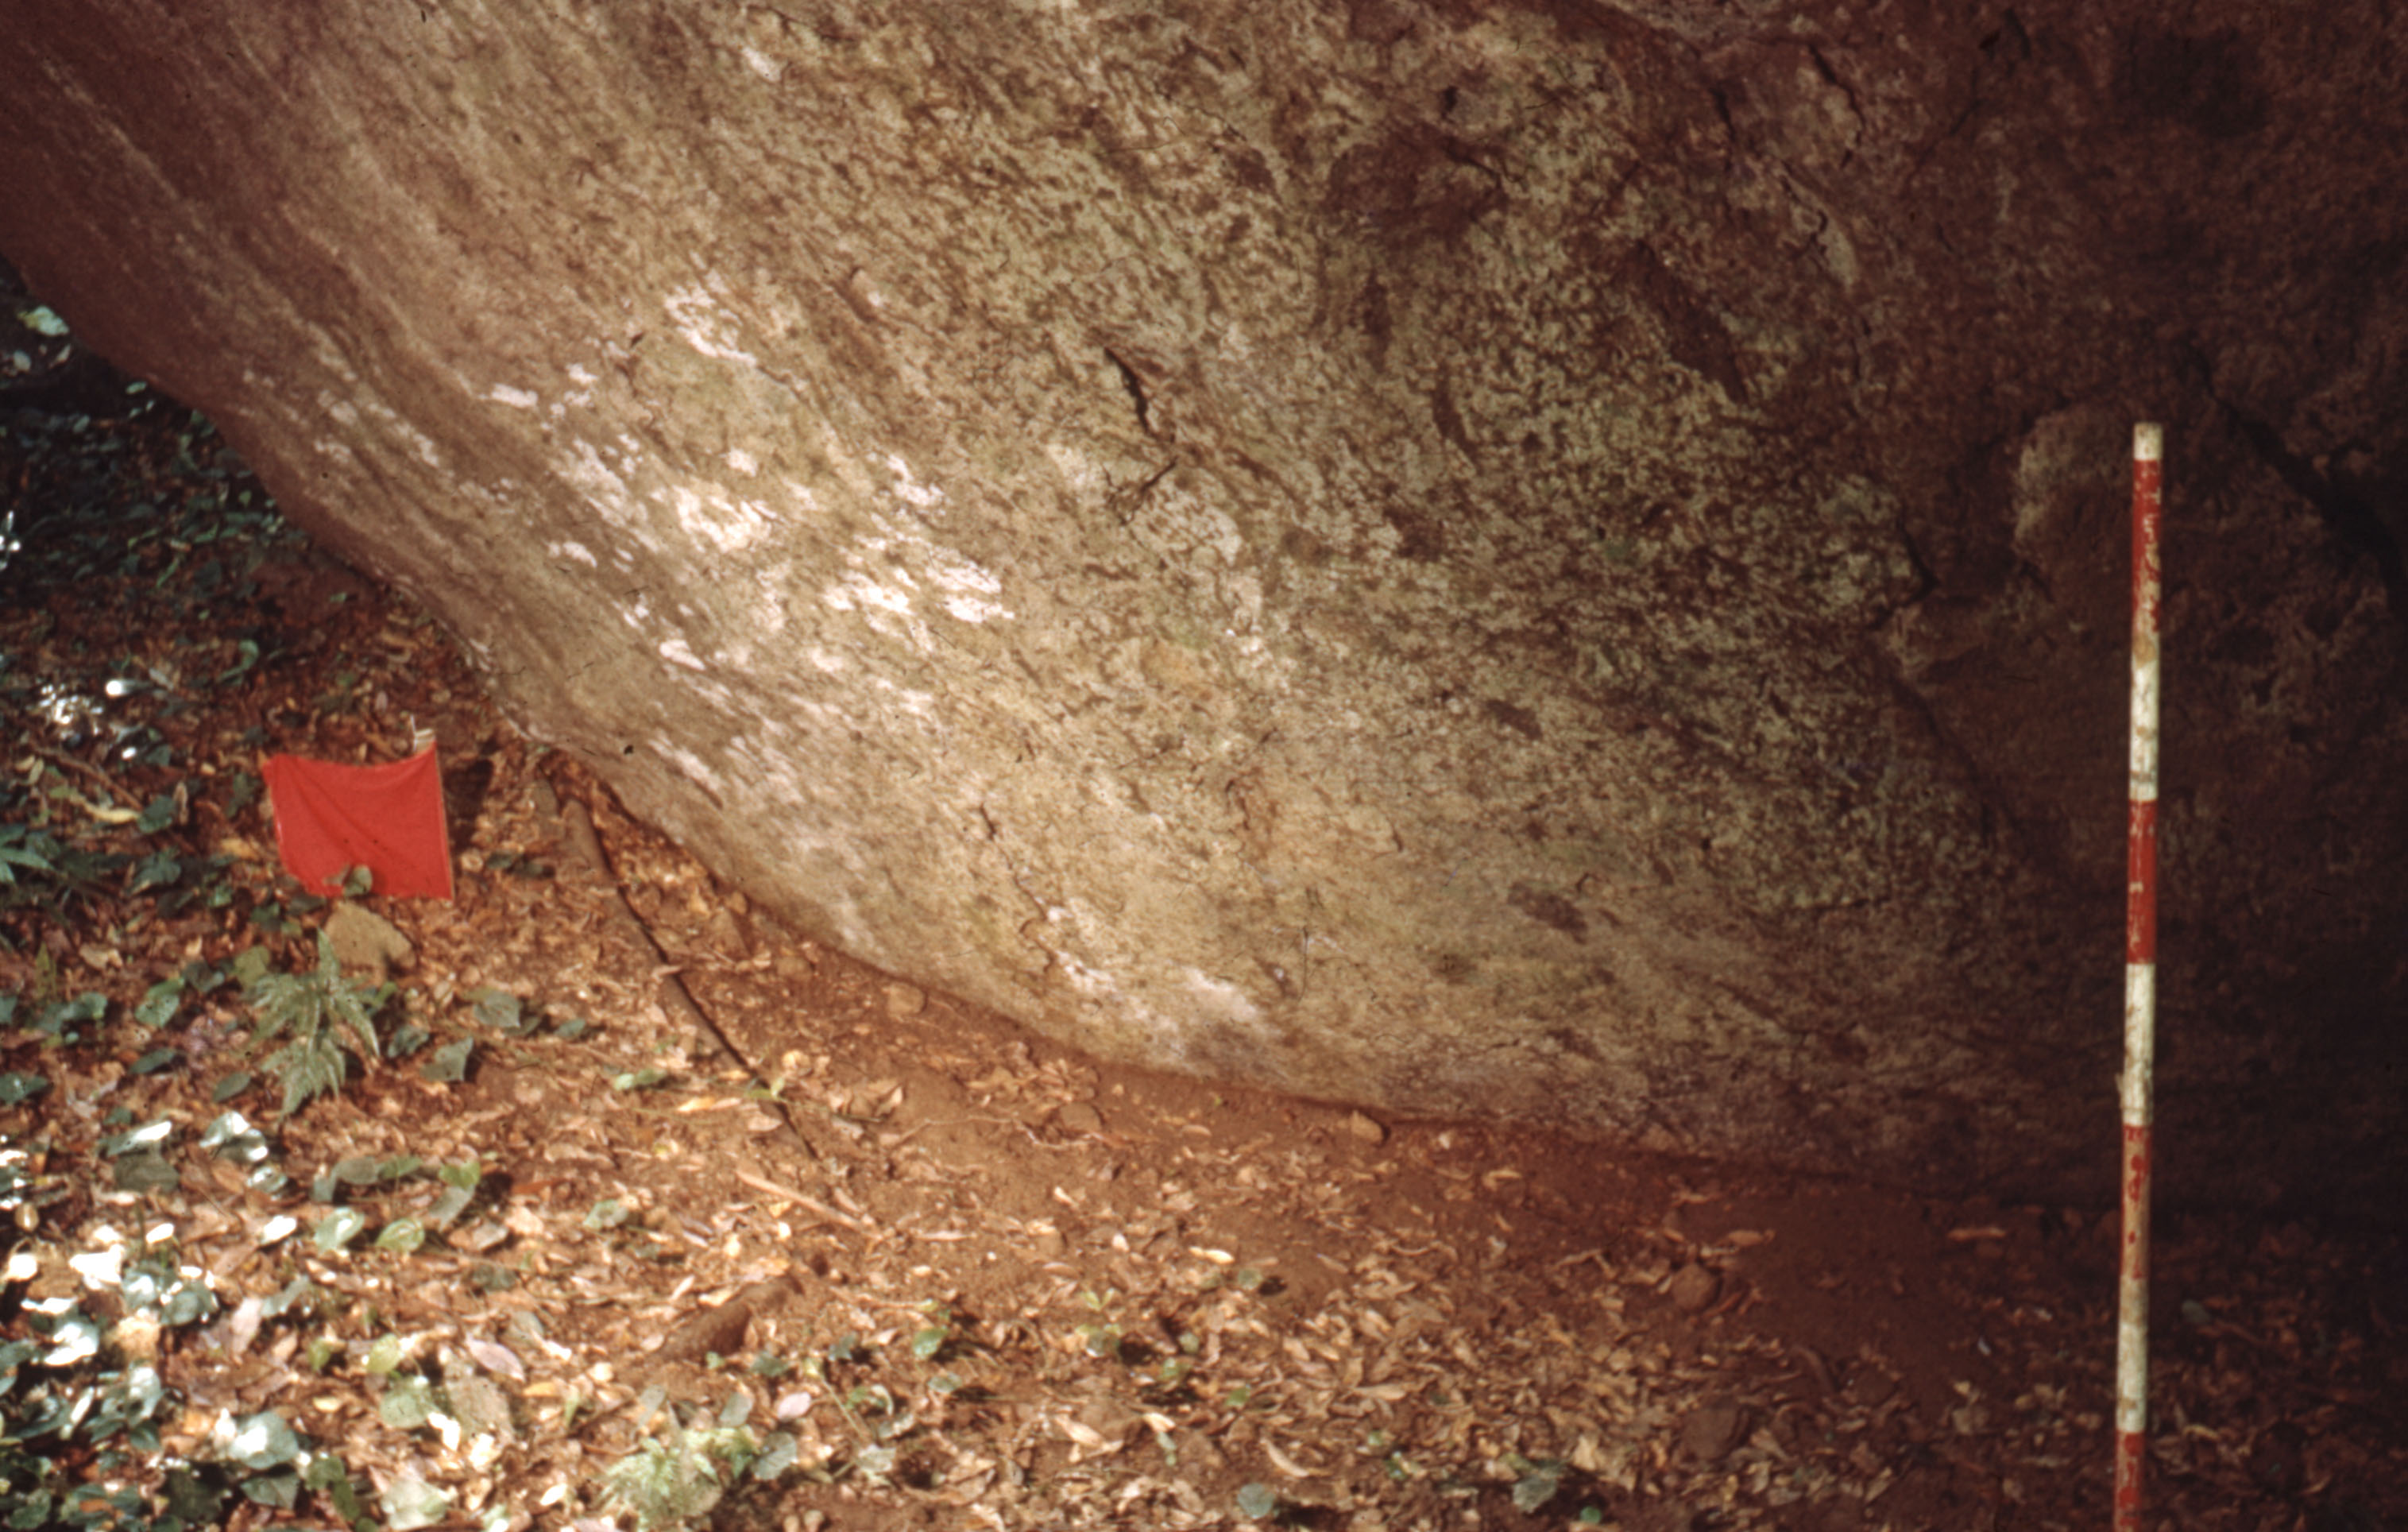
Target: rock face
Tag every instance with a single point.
(1557, 559)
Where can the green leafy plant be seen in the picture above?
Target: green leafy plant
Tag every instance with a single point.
(667, 1481)
(69, 1397)
(160, 1002)
(37, 870)
(312, 1012)
(23, 847)
(929, 1343)
(1104, 1337)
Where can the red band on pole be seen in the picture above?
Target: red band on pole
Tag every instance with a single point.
(2141, 896)
(2132, 1282)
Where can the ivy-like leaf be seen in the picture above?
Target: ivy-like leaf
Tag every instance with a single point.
(159, 1003)
(876, 1463)
(410, 1503)
(778, 1454)
(264, 1442)
(157, 870)
(339, 1228)
(281, 1490)
(246, 655)
(147, 1138)
(16, 1088)
(608, 1213)
(499, 1010)
(56, 1019)
(146, 1171)
(386, 1355)
(182, 1302)
(19, 848)
(291, 1293)
(358, 1170)
(192, 1498)
(75, 1337)
(449, 1064)
(404, 1234)
(230, 1134)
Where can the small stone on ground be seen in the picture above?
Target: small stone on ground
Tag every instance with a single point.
(1694, 1287)
(366, 942)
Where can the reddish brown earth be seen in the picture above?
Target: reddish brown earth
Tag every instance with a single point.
(1102, 1296)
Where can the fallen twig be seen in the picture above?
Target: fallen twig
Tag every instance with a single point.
(801, 1199)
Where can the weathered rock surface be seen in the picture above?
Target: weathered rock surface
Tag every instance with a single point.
(1550, 559)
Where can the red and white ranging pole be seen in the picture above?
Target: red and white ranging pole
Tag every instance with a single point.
(2140, 988)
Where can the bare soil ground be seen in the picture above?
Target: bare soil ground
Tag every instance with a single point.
(971, 1277)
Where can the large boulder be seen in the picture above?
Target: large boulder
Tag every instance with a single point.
(1557, 560)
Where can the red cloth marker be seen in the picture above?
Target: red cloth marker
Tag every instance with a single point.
(388, 819)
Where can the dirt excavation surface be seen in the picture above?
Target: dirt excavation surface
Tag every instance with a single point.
(853, 1255)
